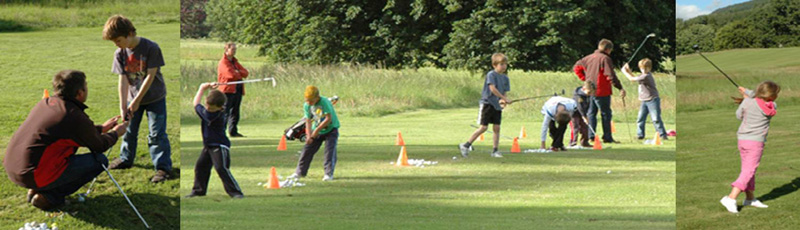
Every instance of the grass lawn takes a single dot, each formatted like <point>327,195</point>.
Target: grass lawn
<point>708,158</point>
<point>629,186</point>
<point>27,64</point>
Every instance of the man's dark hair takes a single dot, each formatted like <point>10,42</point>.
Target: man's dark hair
<point>67,83</point>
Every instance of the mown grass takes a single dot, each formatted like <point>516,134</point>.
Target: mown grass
<point>373,92</point>
<point>37,15</point>
<point>708,158</point>
<point>27,64</point>
<point>629,186</point>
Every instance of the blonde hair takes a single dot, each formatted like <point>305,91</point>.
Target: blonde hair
<point>118,26</point>
<point>605,44</point>
<point>645,65</point>
<point>766,90</point>
<point>498,58</point>
<point>311,92</point>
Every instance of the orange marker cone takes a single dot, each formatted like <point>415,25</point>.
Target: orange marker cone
<point>613,128</point>
<point>273,182</point>
<point>522,133</point>
<point>400,141</point>
<point>515,146</point>
<point>657,140</point>
<point>481,136</point>
<point>402,160</point>
<point>45,94</point>
<point>282,144</point>
<point>571,131</point>
<point>598,145</point>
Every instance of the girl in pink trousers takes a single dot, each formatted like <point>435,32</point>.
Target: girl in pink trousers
<point>755,110</point>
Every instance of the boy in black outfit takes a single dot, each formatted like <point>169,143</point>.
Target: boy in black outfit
<point>582,96</point>
<point>216,146</point>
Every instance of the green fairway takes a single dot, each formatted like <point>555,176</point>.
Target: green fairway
<point>27,65</point>
<point>708,158</point>
<point>563,190</point>
<point>433,109</point>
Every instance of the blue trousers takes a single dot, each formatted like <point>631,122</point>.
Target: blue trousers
<point>160,151</point>
<point>653,107</point>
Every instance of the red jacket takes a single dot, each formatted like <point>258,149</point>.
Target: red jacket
<point>227,72</point>
<point>598,68</point>
<point>37,153</point>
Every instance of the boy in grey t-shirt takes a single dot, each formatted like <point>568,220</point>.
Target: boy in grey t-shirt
<point>138,62</point>
<point>493,100</point>
<point>648,95</point>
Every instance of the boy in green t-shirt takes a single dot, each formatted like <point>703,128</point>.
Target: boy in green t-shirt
<point>322,125</point>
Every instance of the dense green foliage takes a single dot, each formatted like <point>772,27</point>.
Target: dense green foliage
<point>536,35</point>
<point>754,24</point>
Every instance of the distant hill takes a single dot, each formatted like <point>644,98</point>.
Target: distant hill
<point>722,16</point>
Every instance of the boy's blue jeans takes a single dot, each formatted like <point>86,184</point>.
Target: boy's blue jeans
<point>157,140</point>
<point>653,107</point>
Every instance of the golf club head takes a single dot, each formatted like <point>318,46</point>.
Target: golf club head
<point>696,47</point>
<point>651,35</point>
<point>273,82</point>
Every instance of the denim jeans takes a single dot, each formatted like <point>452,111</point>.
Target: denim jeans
<point>157,140</point>
<point>603,104</point>
<point>80,170</point>
<point>653,107</point>
<point>331,138</point>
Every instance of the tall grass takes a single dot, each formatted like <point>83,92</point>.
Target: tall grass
<point>369,91</point>
<point>35,15</point>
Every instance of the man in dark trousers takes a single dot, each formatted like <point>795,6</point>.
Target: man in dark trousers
<point>599,69</point>
<point>41,154</point>
<point>230,70</point>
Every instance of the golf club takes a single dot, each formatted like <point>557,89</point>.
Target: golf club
<point>126,196</point>
<point>251,81</point>
<point>697,49</point>
<point>640,46</point>
<point>549,95</point>
<point>490,132</point>
<point>628,124</point>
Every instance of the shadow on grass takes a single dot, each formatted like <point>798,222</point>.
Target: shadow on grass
<point>783,190</point>
<point>160,212</point>
<point>12,26</point>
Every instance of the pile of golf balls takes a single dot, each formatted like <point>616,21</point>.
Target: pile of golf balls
<point>421,162</point>
<point>291,182</point>
<point>538,151</point>
<point>37,226</point>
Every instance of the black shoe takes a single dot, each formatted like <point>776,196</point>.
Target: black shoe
<point>119,164</point>
<point>611,141</point>
<point>236,135</point>
<point>640,138</point>
<point>30,195</point>
<point>40,202</point>
<point>192,195</point>
<point>160,176</point>
<point>664,138</point>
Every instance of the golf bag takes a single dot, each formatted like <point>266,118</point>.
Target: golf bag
<point>298,129</point>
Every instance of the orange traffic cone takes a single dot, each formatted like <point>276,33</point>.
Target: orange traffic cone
<point>402,160</point>
<point>45,94</point>
<point>400,141</point>
<point>598,145</point>
<point>273,182</point>
<point>571,131</point>
<point>282,144</point>
<point>657,140</point>
<point>613,128</point>
<point>481,136</point>
<point>522,133</point>
<point>515,146</point>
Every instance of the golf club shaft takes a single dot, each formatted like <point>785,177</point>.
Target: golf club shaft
<point>126,196</point>
<point>624,107</point>
<point>637,49</point>
<point>586,120</point>
<point>490,132</point>
<point>549,95</point>
<point>247,81</point>
<point>720,70</point>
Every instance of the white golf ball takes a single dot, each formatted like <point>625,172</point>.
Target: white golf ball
<point>455,158</point>
<point>608,172</point>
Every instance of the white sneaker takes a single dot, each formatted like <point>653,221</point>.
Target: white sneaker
<point>327,178</point>
<point>729,204</point>
<point>294,176</point>
<point>464,149</point>
<point>497,154</point>
<point>754,203</point>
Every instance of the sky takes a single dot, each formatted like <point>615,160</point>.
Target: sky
<point>687,9</point>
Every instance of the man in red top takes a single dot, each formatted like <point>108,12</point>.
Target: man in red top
<point>41,154</point>
<point>229,70</point>
<point>599,68</point>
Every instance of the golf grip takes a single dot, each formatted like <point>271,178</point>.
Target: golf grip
<point>720,70</point>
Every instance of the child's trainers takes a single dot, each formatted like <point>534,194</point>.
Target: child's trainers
<point>464,149</point>
<point>754,203</point>
<point>729,204</point>
<point>497,154</point>
<point>294,176</point>
<point>327,178</point>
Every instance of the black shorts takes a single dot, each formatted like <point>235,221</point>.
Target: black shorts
<point>489,115</point>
